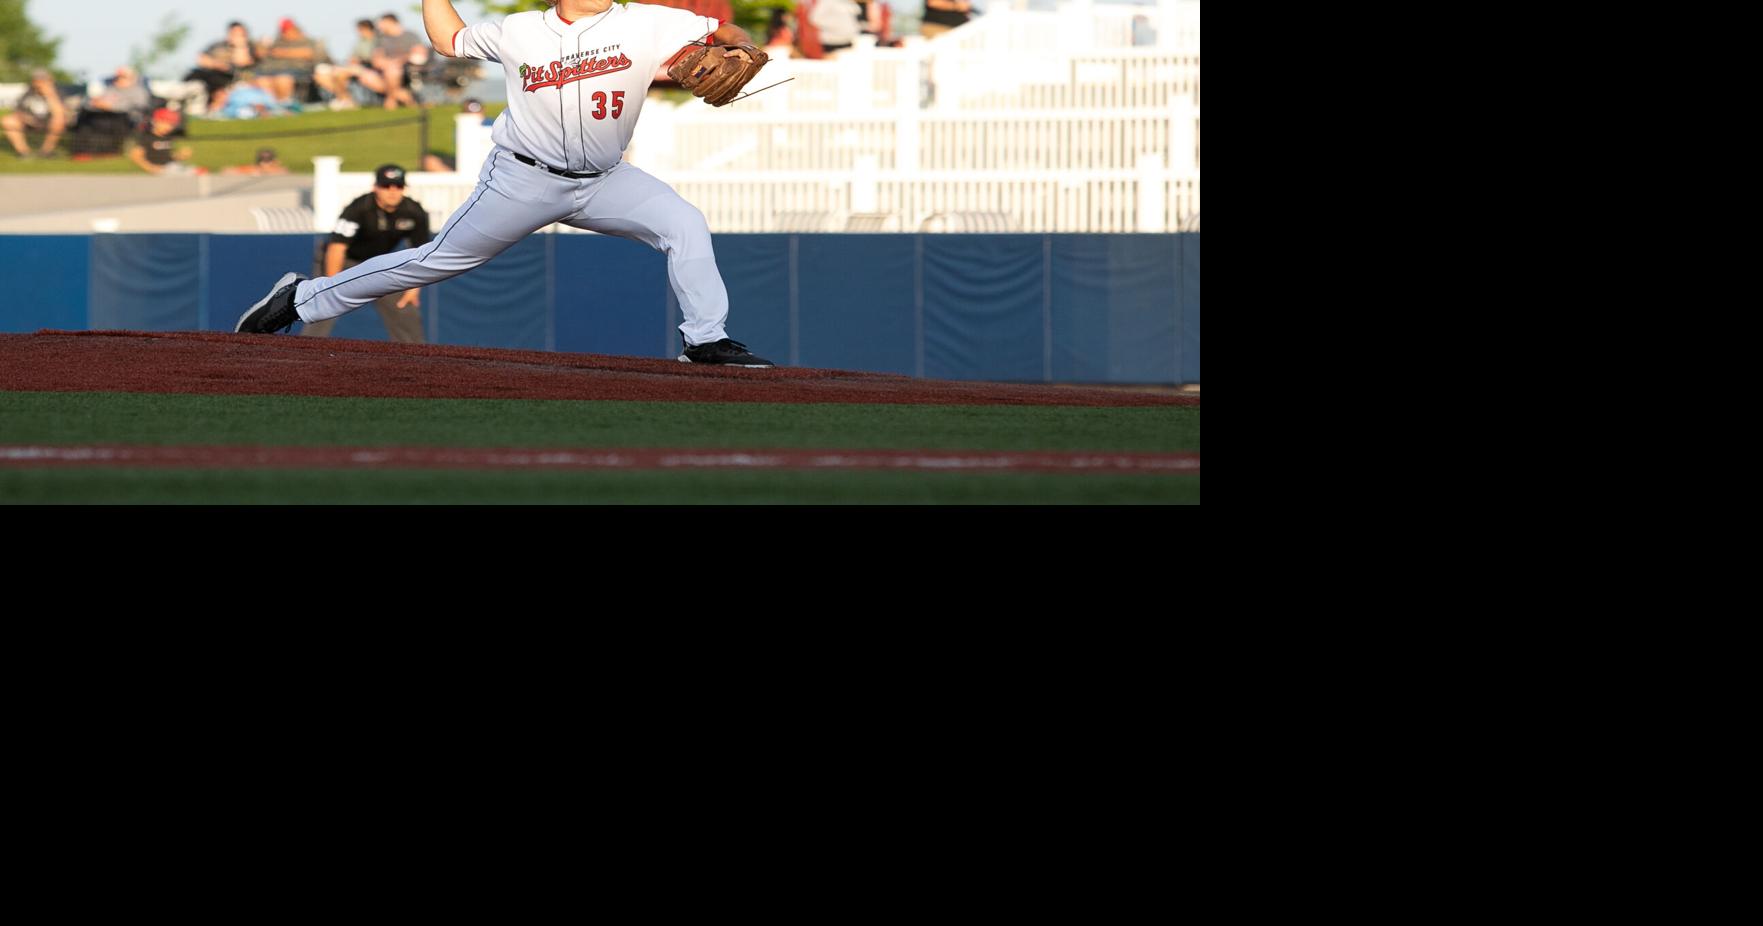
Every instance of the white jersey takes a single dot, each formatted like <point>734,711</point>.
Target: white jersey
<point>575,89</point>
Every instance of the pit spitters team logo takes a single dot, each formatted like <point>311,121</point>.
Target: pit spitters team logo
<point>556,74</point>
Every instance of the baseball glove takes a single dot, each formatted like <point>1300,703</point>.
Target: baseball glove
<point>718,72</point>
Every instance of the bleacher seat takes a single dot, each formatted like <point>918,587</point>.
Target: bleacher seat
<point>283,218</point>
<point>801,221</point>
<point>971,222</point>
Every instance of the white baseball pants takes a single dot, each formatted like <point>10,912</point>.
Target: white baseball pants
<point>514,199</point>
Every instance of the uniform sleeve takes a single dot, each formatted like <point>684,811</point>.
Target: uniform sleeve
<point>675,29</point>
<point>347,224</point>
<point>419,235</point>
<point>482,41</point>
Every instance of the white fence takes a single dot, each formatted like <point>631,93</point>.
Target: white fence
<point>1098,201</point>
<point>686,139</point>
<point>1100,81</point>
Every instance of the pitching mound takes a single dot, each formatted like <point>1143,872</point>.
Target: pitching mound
<point>238,364</point>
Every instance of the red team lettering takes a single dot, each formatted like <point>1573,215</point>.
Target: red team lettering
<point>556,74</point>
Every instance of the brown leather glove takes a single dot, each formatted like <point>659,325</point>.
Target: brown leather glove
<point>718,72</point>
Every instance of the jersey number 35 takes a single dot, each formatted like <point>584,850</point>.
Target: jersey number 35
<point>617,104</point>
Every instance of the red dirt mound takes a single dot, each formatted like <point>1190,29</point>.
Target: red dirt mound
<point>244,364</point>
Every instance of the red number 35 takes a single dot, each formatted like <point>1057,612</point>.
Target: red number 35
<point>617,104</point>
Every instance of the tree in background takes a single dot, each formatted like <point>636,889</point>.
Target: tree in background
<point>23,47</point>
<point>170,36</point>
<point>755,15</point>
<point>751,15</point>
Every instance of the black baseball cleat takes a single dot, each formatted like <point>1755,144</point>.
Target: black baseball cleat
<point>726,352</point>
<point>274,312</point>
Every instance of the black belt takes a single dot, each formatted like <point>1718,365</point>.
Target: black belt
<point>572,174</point>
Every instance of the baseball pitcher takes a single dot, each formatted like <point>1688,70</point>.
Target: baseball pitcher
<point>577,74</point>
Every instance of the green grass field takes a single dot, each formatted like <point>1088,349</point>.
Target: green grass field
<point>364,138</point>
<point>45,418</point>
<point>400,487</point>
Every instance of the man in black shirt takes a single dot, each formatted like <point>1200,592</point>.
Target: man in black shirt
<point>370,226</point>
<point>156,150</point>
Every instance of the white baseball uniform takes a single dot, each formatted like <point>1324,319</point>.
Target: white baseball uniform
<point>574,93</point>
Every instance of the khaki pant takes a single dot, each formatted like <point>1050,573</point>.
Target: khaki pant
<point>932,30</point>
<point>401,324</point>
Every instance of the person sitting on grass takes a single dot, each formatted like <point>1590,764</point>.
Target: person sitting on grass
<point>287,63</point>
<point>249,101</point>
<point>39,110</point>
<point>218,65</point>
<point>106,121</point>
<point>126,95</point>
<point>157,152</point>
<point>336,78</point>
<point>390,58</point>
<point>266,163</point>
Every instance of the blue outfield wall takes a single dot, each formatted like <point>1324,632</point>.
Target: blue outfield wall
<point>1026,308</point>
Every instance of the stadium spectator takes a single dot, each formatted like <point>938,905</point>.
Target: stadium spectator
<point>434,78</point>
<point>157,152</point>
<point>337,78</point>
<point>416,71</point>
<point>391,56</point>
<point>942,15</point>
<point>39,110</point>
<point>266,163</point>
<point>107,120</point>
<point>807,37</point>
<point>878,20</point>
<point>249,101</point>
<point>126,95</point>
<point>287,64</point>
<point>780,38</point>
<point>838,22</point>
<point>218,65</point>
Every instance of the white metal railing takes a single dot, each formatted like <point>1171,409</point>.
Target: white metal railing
<point>1100,81</point>
<point>688,138</point>
<point>1092,201</point>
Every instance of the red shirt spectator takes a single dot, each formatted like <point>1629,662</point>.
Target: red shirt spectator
<point>807,37</point>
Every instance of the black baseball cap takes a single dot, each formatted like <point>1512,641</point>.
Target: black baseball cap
<point>388,175</point>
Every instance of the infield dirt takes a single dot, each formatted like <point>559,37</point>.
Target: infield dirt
<point>235,364</point>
